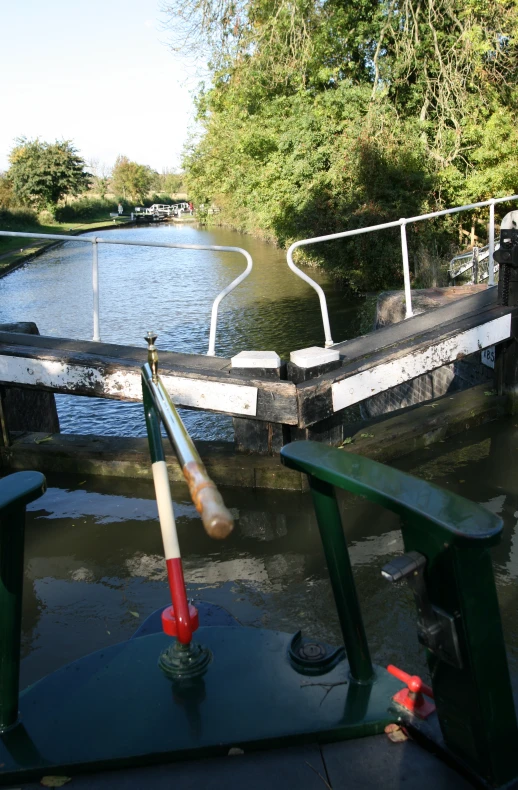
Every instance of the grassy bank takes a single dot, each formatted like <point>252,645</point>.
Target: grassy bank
<point>15,251</point>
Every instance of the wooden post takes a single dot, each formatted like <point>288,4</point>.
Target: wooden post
<point>25,409</point>
<point>475,265</point>
<point>472,238</point>
<point>506,363</point>
<point>257,436</point>
<point>307,364</point>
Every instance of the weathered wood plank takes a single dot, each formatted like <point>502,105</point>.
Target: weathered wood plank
<point>398,333</point>
<point>115,351</point>
<point>69,371</point>
<point>378,372</point>
<point>22,409</point>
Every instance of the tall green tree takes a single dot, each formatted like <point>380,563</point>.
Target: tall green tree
<point>43,173</point>
<point>132,180</point>
<point>323,115</point>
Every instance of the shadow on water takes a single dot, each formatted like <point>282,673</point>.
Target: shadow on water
<point>95,567</point>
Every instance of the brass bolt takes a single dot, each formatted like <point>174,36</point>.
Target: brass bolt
<point>152,354</point>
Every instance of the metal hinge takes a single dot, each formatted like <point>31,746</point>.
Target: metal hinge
<point>436,629</point>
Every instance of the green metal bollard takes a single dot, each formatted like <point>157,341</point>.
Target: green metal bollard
<point>16,491</point>
<point>465,649</point>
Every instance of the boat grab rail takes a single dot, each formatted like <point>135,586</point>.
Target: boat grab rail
<point>448,566</point>
<point>402,223</point>
<point>16,492</point>
<point>95,240</point>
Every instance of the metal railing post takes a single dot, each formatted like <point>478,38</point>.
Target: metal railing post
<point>406,270</point>
<point>318,289</point>
<point>491,272</point>
<point>95,286</point>
<point>342,581</point>
<point>215,306</point>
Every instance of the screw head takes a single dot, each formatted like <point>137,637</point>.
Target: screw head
<point>312,651</point>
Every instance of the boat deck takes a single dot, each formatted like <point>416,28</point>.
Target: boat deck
<point>371,762</point>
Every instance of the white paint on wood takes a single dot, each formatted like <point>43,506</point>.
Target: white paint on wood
<point>389,374</point>
<point>126,385</point>
<point>256,359</point>
<point>312,356</point>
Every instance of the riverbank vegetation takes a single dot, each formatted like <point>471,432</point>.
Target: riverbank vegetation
<point>50,188</point>
<point>322,116</point>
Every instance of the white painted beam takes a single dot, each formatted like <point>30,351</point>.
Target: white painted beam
<point>126,384</point>
<point>389,374</point>
<point>256,359</point>
<point>313,356</point>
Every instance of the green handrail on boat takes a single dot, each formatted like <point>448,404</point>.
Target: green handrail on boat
<point>453,536</point>
<point>16,492</point>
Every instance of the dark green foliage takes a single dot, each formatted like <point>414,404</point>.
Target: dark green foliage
<point>17,218</point>
<point>327,116</point>
<point>84,209</point>
<point>43,173</point>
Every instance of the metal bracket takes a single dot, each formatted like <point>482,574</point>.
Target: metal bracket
<point>436,629</point>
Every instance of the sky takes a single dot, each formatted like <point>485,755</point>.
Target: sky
<point>97,73</point>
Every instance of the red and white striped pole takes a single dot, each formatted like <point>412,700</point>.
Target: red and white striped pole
<point>180,619</point>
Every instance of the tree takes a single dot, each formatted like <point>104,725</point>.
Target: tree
<point>324,115</point>
<point>132,180</point>
<point>43,173</point>
<point>6,192</point>
<point>101,176</point>
<point>171,183</point>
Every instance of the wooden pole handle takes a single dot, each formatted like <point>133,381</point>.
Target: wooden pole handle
<point>216,517</point>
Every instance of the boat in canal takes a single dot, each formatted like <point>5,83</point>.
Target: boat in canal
<point>194,699</point>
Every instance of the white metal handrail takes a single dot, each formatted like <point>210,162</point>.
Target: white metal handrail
<point>94,241</point>
<point>403,222</point>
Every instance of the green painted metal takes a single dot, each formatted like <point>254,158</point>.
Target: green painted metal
<point>116,707</point>
<point>16,491</point>
<point>342,581</point>
<point>156,449</point>
<point>474,703</point>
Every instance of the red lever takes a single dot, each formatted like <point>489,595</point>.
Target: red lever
<point>412,698</point>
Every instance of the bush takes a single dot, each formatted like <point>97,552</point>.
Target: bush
<point>17,218</point>
<point>86,208</point>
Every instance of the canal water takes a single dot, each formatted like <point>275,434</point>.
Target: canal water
<point>171,292</point>
<point>94,563</point>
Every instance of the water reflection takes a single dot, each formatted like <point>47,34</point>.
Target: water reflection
<point>172,291</point>
<point>95,568</point>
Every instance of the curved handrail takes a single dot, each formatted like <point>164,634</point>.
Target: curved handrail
<point>217,248</point>
<point>95,240</point>
<point>401,223</point>
<point>460,519</point>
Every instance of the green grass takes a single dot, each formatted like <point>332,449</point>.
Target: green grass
<point>15,250</point>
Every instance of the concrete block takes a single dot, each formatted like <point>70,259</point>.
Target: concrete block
<point>256,359</point>
<point>310,357</point>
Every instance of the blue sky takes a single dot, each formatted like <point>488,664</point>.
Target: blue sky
<point>98,73</point>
